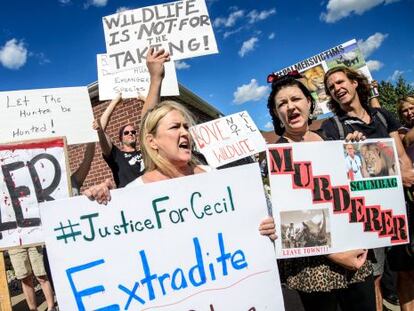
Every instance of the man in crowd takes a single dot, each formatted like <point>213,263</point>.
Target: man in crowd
<point>350,95</point>
<point>27,262</point>
<point>125,162</point>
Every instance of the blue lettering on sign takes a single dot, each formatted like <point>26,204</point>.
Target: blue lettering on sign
<point>87,291</point>
<point>153,284</point>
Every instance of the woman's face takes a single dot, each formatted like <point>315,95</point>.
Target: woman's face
<point>292,107</point>
<point>407,111</point>
<point>172,139</point>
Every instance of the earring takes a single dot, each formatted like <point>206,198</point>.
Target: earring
<point>281,124</point>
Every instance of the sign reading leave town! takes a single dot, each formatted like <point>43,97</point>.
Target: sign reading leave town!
<point>228,139</point>
<point>154,247</point>
<point>31,172</point>
<point>183,28</point>
<point>325,206</point>
<point>43,113</point>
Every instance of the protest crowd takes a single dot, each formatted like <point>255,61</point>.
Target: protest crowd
<point>158,147</point>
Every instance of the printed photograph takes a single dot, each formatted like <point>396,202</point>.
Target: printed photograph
<point>313,79</point>
<point>305,228</point>
<point>352,58</point>
<point>367,160</point>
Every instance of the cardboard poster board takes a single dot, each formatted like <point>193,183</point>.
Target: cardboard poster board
<point>153,247</point>
<point>31,172</point>
<point>131,82</point>
<point>182,28</point>
<point>331,197</point>
<point>313,69</point>
<point>43,113</point>
<point>228,139</point>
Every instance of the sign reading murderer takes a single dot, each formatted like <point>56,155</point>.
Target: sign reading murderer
<point>34,114</point>
<point>154,247</point>
<point>131,82</point>
<point>31,172</point>
<point>228,139</point>
<point>313,71</point>
<point>331,197</point>
<point>183,28</point>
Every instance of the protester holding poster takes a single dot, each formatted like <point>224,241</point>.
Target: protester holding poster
<point>165,141</point>
<point>125,162</point>
<point>323,282</point>
<point>350,93</point>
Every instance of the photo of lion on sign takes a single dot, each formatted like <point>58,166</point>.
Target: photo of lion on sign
<point>369,159</point>
<point>377,160</point>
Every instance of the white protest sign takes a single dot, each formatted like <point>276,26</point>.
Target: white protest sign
<point>331,197</point>
<point>228,139</point>
<point>183,28</point>
<point>153,247</point>
<point>31,172</point>
<point>131,82</point>
<point>34,114</point>
<point>313,70</point>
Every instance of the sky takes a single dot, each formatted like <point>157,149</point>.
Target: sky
<point>55,44</point>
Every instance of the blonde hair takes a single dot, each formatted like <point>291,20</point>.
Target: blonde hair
<point>149,125</point>
<point>406,99</point>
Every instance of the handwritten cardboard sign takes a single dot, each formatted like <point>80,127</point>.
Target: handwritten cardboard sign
<point>31,172</point>
<point>34,114</point>
<point>153,247</point>
<point>313,70</point>
<point>228,139</point>
<point>330,197</point>
<point>182,28</point>
<point>131,82</point>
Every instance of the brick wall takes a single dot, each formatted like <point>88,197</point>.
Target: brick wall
<point>126,112</point>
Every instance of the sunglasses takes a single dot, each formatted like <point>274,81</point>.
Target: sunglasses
<point>133,132</point>
<point>293,74</point>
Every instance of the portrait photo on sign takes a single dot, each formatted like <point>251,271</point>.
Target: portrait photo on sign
<point>368,160</point>
<point>305,228</point>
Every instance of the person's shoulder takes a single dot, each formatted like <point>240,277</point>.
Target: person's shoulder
<point>329,129</point>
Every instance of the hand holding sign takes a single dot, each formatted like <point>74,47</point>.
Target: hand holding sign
<point>155,63</point>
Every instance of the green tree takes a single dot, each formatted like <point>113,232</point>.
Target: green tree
<point>390,93</point>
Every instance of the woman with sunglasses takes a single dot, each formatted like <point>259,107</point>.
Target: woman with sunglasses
<point>323,282</point>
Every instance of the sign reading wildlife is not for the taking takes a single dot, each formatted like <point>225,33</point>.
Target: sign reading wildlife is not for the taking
<point>132,82</point>
<point>43,113</point>
<point>31,172</point>
<point>183,28</point>
<point>155,248</point>
<point>330,197</point>
<point>228,139</point>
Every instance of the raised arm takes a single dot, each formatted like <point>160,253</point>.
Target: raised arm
<point>84,167</point>
<point>374,101</point>
<point>106,116</point>
<point>155,64</point>
<point>101,124</point>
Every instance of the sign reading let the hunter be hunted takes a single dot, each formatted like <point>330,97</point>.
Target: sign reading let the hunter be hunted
<point>330,196</point>
<point>156,248</point>
<point>182,28</point>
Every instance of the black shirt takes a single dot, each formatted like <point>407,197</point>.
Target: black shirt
<point>125,166</point>
<point>375,129</point>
